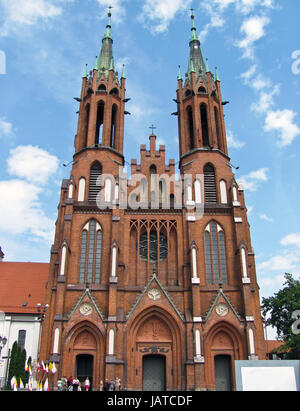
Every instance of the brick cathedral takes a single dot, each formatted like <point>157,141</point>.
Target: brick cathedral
<point>152,278</point>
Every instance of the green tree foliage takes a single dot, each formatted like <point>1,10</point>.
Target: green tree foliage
<point>278,310</point>
<point>16,365</point>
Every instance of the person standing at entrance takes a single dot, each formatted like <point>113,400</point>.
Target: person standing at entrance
<point>118,384</point>
<point>87,384</point>
<point>75,384</point>
<point>106,385</point>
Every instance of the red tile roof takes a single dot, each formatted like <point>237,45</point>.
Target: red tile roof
<point>273,345</point>
<point>22,283</point>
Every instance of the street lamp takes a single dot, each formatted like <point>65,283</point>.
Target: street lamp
<point>42,311</point>
<point>3,341</point>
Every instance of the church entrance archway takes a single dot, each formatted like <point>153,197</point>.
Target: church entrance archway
<point>154,373</point>
<point>154,352</point>
<point>85,367</point>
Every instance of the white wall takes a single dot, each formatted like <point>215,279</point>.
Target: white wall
<point>10,329</point>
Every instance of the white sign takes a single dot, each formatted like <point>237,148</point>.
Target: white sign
<point>268,379</point>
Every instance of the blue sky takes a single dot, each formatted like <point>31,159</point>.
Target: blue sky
<point>44,46</point>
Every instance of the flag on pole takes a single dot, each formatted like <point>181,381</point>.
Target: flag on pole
<point>53,370</point>
<point>44,367</point>
<point>21,385</point>
<point>14,384</point>
<point>38,367</point>
<point>50,366</point>
<point>46,385</point>
<point>30,383</point>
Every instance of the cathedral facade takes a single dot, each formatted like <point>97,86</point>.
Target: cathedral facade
<point>152,278</point>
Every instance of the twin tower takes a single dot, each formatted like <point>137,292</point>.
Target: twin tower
<point>162,297</point>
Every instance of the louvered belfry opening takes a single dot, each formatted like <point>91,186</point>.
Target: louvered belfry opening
<point>94,188</point>
<point>210,187</point>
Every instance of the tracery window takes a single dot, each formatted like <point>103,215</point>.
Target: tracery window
<point>215,254</point>
<point>151,243</point>
<point>91,253</point>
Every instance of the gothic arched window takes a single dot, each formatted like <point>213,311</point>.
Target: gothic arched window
<point>210,187</point>
<point>191,127</point>
<point>204,125</point>
<point>91,253</point>
<point>113,126</point>
<point>87,122</point>
<point>215,254</point>
<point>99,124</point>
<point>94,186</point>
<point>218,127</point>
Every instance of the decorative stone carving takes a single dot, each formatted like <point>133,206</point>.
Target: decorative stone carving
<point>222,310</point>
<point>86,309</point>
<point>154,294</point>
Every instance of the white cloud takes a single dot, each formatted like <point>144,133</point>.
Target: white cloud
<point>266,100</point>
<point>283,122</point>
<point>27,12</point>
<point>6,129</point>
<point>291,240</point>
<point>32,163</point>
<point>157,14</point>
<point>284,263</point>
<point>252,180</point>
<point>254,29</point>
<point>266,218</point>
<point>233,142</point>
<point>21,211</point>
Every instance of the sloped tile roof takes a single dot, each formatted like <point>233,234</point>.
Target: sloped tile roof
<point>22,283</point>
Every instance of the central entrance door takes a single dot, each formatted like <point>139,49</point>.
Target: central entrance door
<point>154,373</point>
<point>223,372</point>
<point>85,367</point>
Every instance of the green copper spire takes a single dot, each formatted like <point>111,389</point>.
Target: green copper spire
<point>106,62</point>
<point>179,77</point>
<point>108,27</point>
<point>123,72</point>
<point>196,62</point>
<point>217,75</point>
<point>207,66</point>
<point>194,30</point>
<point>85,75</point>
<point>96,64</point>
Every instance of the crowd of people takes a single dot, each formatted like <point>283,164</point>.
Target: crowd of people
<point>73,384</point>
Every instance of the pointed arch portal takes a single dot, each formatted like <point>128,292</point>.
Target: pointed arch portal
<point>155,340</point>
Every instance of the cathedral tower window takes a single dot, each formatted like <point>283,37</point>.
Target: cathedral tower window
<point>215,254</point>
<point>218,127</point>
<point>87,122</point>
<point>191,127</point>
<point>210,188</point>
<point>113,126</point>
<point>99,124</point>
<point>204,125</point>
<point>91,253</point>
<point>102,88</point>
<point>94,184</point>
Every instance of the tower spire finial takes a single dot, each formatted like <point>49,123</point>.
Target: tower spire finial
<point>193,29</point>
